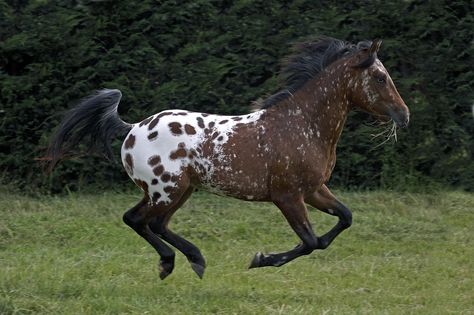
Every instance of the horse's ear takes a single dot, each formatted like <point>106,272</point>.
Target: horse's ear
<point>368,54</point>
<point>374,48</point>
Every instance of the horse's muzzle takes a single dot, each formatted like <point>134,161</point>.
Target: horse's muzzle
<point>400,117</point>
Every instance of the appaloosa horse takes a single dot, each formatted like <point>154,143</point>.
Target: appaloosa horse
<point>283,153</point>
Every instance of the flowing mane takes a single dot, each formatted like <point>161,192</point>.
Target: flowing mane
<point>308,59</point>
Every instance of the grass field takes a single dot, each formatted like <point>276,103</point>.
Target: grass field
<point>405,254</point>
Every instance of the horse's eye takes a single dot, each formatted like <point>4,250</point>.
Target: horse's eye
<point>381,80</point>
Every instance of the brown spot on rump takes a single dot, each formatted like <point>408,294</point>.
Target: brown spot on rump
<point>168,189</point>
<point>200,122</point>
<point>220,138</point>
<point>236,118</point>
<point>211,124</point>
<point>153,123</point>
<point>224,121</point>
<point>153,160</point>
<point>173,155</point>
<point>153,135</point>
<point>181,114</point>
<point>145,121</point>
<point>158,170</point>
<point>154,181</point>
<point>130,142</point>
<point>175,128</point>
<point>142,184</point>
<point>174,178</point>
<point>204,114</point>
<point>129,163</point>
<point>180,153</point>
<point>155,197</point>
<point>164,114</point>
<point>166,177</point>
<point>189,129</point>
<point>215,135</point>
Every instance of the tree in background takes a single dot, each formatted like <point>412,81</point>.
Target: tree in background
<point>219,56</point>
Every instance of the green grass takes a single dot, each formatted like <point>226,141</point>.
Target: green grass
<point>405,254</point>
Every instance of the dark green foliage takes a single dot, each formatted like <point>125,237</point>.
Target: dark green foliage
<point>218,56</point>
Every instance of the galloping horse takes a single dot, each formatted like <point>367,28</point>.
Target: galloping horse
<point>283,153</point>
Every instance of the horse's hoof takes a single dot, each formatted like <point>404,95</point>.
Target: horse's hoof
<point>256,261</point>
<point>165,269</point>
<point>198,269</point>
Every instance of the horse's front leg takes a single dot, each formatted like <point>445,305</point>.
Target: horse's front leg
<point>293,208</point>
<point>325,201</point>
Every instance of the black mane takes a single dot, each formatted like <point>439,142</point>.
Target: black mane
<point>308,60</point>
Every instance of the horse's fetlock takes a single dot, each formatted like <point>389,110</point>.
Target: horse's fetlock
<point>345,217</point>
<point>167,259</point>
<point>346,220</point>
<point>323,243</point>
<point>311,245</point>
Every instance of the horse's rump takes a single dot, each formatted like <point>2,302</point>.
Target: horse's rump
<point>224,154</point>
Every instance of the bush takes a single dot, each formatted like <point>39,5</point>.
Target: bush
<point>218,56</point>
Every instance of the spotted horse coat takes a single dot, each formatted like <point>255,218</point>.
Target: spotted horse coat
<point>178,145</point>
<point>283,153</point>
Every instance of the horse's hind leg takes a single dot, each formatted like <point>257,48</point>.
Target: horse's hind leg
<point>325,201</point>
<point>294,210</point>
<point>159,225</point>
<point>138,218</point>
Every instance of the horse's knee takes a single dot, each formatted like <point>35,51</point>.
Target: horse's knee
<point>346,218</point>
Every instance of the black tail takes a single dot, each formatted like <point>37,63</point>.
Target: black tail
<point>96,119</point>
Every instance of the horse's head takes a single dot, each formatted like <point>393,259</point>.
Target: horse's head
<point>372,89</point>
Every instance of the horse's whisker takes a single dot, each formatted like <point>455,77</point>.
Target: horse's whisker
<point>390,132</point>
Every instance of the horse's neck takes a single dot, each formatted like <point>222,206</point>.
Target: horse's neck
<point>322,106</point>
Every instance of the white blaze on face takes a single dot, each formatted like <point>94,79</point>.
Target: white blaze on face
<point>372,96</point>
<point>178,129</point>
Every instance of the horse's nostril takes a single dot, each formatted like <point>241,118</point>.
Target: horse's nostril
<point>407,120</point>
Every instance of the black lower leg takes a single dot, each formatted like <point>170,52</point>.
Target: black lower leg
<point>325,201</point>
<point>192,253</point>
<point>345,221</point>
<point>136,219</point>
<point>279,259</point>
<point>295,212</point>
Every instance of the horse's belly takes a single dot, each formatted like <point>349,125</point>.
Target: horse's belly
<point>237,183</point>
